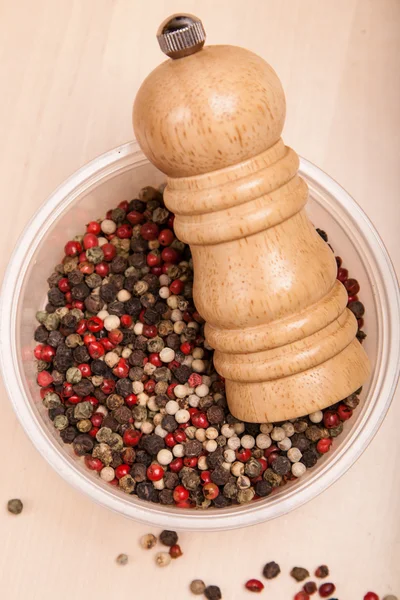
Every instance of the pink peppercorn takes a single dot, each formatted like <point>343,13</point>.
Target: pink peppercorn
<point>254,585</point>
<point>371,596</point>
<point>326,590</point>
<point>44,379</point>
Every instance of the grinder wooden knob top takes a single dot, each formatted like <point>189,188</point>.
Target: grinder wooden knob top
<point>211,119</point>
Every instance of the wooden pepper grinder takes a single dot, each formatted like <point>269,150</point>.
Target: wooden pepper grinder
<point>211,119</point>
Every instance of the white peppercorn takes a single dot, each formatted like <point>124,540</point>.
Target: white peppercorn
<point>171,407</point>
<point>210,445</point>
<point>198,352</point>
<point>263,441</point>
<point>288,428</point>
<point>238,428</point>
<point>111,322</point>
<point>137,387</point>
<point>160,432</point>
<point>152,405</point>
<point>198,365</point>
<point>111,359</point>
<point>146,427</point>
<point>179,327</point>
<point>229,455</point>
<point>243,482</point>
<point>182,416</point>
<point>285,444</point>
<point>108,226</point>
<point>266,427</point>
<point>138,328</point>
<point>193,400</point>
<point>248,442</point>
<point>212,433</point>
<point>167,355</point>
<point>190,432</point>
<point>164,292</point>
<point>159,485</point>
<point>157,419</point>
<point>124,295</point>
<point>316,417</point>
<point>176,315</point>
<point>178,451</point>
<point>294,455</point>
<point>107,474</point>
<point>142,399</point>
<point>148,541</point>
<point>181,391</point>
<point>126,352</point>
<point>233,443</point>
<point>298,469</point>
<point>278,434</point>
<point>237,468</point>
<point>202,390</point>
<point>165,456</point>
<point>202,463</point>
<point>163,559</point>
<point>200,435</point>
<point>227,430</point>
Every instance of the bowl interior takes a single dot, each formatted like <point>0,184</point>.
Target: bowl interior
<point>87,195</point>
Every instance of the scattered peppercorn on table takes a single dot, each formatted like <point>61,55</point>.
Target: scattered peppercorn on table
<point>77,64</point>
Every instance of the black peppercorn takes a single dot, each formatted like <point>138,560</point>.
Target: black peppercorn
<point>138,472</point>
<point>55,338</point>
<point>212,592</point>
<point>263,488</point>
<point>168,538</point>
<point>152,444</point>
<point>68,434</point>
<point>118,264</point>
<point>193,448</point>
<point>169,423</point>
<point>300,441</point>
<point>299,574</point>
<point>41,334</point>
<point>271,570</point>
<point>75,277</point>
<point>136,358</point>
<point>171,480</point>
<point>80,291</point>
<point>116,308</point>
<point>309,458</point>
<point>357,308</point>
<point>81,355</point>
<point>166,497</point>
<point>215,415</point>
<point>281,465</point>
<point>108,292</point>
<point>56,297</point>
<point>220,475</point>
<point>124,387</point>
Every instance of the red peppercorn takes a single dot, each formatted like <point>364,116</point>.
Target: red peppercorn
<point>344,412</point>
<point>93,431</point>
<point>243,454</point>
<point>115,336</point>
<point>180,436</point>
<point>48,352</point>
<point>122,470</point>
<point>108,386</point>
<point>95,324</point>
<point>96,350</point>
<point>342,274</point>
<point>88,339</point>
<point>190,461</point>
<point>149,331</point>
<point>149,231</point>
<point>273,456</point>
<point>81,327</point>
<point>302,596</point>
<point>83,257</point>
<point>107,344</point>
<point>63,285</point>
<point>72,248</point>
<point>67,390</point>
<point>175,551</point>
<point>97,419</point>
<point>85,370</point>
<point>94,464</point>
<point>180,493</point>
<point>156,271</point>
<point>170,255</point>
<point>371,596</point>
<point>86,268</point>
<point>171,220</point>
<point>131,400</point>
<point>155,472</point>
<point>194,380</point>
<point>44,379</point>
<point>93,227</point>
<point>90,241</point>
<point>176,465</point>
<point>186,348</point>
<point>173,365</point>
<point>263,463</point>
<point>124,205</point>
<point>92,399</point>
<point>74,399</point>
<point>135,217</point>
<point>153,259</point>
<point>360,323</point>
<point>200,420</point>
<point>351,299</point>
<point>205,476</point>
<point>38,351</point>
<point>124,232</point>
<point>149,386</point>
<point>126,321</point>
<point>131,437</point>
<point>324,445</point>
<point>210,491</point>
<point>310,587</point>
<point>170,440</point>
<point>331,419</point>
<point>170,390</point>
<point>166,237</point>
<point>109,251</point>
<point>176,286</point>
<point>155,359</point>
<point>78,304</point>
<point>165,267</point>
<point>102,268</point>
<point>254,585</point>
<point>352,286</point>
<point>272,449</point>
<point>121,369</point>
<point>326,590</point>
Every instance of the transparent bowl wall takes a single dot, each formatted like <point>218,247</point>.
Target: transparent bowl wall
<point>118,175</point>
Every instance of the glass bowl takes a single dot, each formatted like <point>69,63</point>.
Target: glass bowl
<point>118,175</point>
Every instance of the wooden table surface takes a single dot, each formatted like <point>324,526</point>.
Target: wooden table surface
<point>69,72</point>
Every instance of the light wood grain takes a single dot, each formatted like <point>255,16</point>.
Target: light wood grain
<point>69,72</point>
<point>212,122</point>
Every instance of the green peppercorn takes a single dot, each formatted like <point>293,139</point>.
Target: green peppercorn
<point>61,422</point>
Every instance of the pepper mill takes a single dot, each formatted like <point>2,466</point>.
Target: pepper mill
<point>211,119</point>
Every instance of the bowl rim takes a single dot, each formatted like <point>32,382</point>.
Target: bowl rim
<point>152,514</point>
